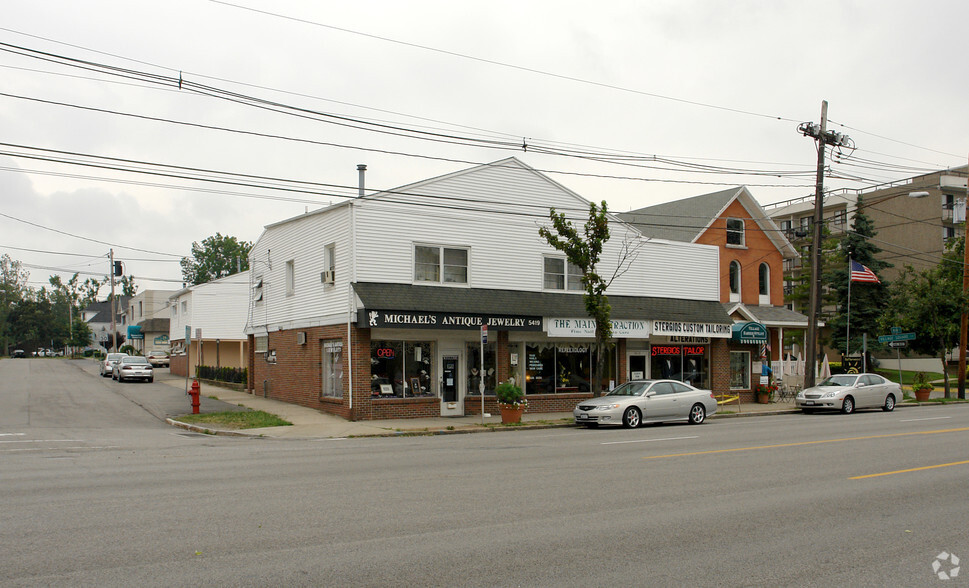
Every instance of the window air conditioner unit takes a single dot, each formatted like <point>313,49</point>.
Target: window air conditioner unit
<point>328,277</point>
<point>301,337</point>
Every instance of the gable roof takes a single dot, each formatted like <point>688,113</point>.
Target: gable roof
<point>103,309</point>
<point>687,219</point>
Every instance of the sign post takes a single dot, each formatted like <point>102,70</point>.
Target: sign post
<point>481,370</point>
<point>897,341</point>
<point>188,354</point>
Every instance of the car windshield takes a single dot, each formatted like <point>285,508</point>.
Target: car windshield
<point>114,356</point>
<point>839,380</point>
<point>631,388</point>
<point>134,360</point>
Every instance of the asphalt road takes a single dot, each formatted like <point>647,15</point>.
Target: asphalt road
<point>97,492</point>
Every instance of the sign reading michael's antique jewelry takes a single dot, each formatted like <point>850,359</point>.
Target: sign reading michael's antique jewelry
<point>396,319</point>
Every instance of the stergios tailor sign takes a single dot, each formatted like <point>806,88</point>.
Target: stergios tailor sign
<point>396,319</point>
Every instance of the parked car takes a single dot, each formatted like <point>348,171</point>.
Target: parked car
<point>133,367</point>
<point>158,358</point>
<point>647,401</point>
<point>18,353</point>
<point>848,392</point>
<point>107,364</point>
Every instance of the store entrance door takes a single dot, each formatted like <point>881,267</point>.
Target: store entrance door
<point>638,363</point>
<point>452,397</point>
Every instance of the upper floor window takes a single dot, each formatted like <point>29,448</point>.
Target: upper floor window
<point>735,231</point>
<point>764,277</point>
<point>329,264</point>
<point>734,281</point>
<point>290,277</point>
<point>443,265</point>
<point>184,306</point>
<point>840,218</point>
<point>561,275</point>
<point>257,292</point>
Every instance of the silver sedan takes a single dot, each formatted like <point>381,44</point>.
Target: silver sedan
<point>647,401</point>
<point>847,392</point>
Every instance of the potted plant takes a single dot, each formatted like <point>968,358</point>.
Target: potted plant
<point>764,392</point>
<point>921,386</point>
<point>511,402</point>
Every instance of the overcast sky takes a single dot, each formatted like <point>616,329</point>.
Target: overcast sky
<point>695,83</point>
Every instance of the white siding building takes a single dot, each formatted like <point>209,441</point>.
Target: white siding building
<point>372,308</point>
<point>217,310</point>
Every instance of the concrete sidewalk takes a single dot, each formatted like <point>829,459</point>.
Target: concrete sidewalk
<point>169,402</point>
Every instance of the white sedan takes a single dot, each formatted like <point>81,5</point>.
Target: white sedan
<point>848,392</point>
<point>647,401</point>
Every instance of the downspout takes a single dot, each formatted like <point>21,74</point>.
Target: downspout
<point>351,304</point>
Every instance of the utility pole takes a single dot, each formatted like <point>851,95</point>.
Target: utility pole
<point>114,338</point>
<point>820,133</point>
<point>964,320</point>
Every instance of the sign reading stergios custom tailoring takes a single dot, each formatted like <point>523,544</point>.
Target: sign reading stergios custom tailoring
<point>380,319</point>
<point>672,328</point>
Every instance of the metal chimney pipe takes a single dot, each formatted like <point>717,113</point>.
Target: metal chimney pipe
<point>362,171</point>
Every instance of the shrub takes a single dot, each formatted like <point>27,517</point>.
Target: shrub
<point>223,374</point>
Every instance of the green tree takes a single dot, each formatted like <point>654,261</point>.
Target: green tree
<point>930,303</point>
<point>128,287</point>
<point>584,251</point>
<point>13,289</point>
<point>215,257</point>
<point>867,300</point>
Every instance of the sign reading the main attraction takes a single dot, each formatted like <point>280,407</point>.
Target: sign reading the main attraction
<point>586,327</point>
<point>690,329</point>
<point>400,319</point>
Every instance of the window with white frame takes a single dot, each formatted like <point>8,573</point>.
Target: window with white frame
<point>257,290</point>
<point>764,278</point>
<point>290,277</point>
<point>561,275</point>
<point>735,281</point>
<point>332,369</point>
<point>184,306</point>
<point>735,231</point>
<point>442,265</point>
<point>329,264</point>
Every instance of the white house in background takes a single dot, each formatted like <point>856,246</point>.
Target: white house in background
<point>144,320</point>
<point>373,308</point>
<point>216,310</point>
<point>97,315</point>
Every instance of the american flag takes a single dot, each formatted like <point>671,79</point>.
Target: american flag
<point>861,273</point>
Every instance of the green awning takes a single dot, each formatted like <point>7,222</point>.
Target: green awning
<point>749,333</point>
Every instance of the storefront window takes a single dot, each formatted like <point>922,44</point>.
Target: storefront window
<point>565,367</point>
<point>739,370</point>
<point>401,369</point>
<point>332,369</point>
<point>474,368</point>
<point>539,368</point>
<point>686,363</point>
<point>573,365</point>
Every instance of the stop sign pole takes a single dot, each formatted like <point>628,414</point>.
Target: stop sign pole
<point>481,370</point>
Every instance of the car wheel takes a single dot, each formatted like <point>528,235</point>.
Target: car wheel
<point>150,380</point>
<point>889,403</point>
<point>697,414</point>
<point>631,418</point>
<point>848,406</point>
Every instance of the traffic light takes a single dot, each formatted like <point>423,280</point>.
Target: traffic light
<point>118,269</point>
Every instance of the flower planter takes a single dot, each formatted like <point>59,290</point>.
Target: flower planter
<point>922,395</point>
<point>763,398</point>
<point>511,415</point>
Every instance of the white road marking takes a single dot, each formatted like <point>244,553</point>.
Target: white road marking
<point>925,419</point>
<point>46,441</point>
<point>649,440</point>
<point>57,448</point>
<point>12,434</point>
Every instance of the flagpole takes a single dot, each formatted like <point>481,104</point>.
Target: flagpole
<point>848,322</point>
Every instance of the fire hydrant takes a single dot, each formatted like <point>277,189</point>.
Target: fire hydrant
<point>195,393</point>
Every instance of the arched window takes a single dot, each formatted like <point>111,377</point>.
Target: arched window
<point>764,283</point>
<point>734,281</point>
